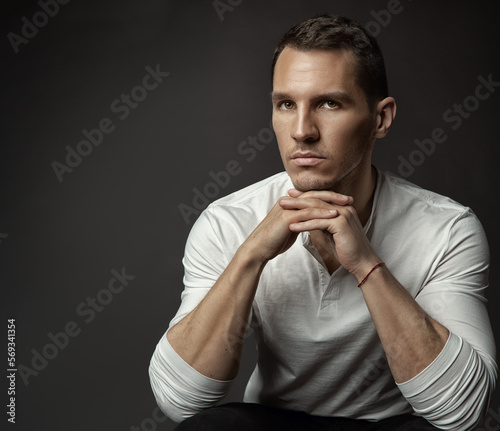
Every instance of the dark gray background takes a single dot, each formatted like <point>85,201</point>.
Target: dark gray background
<point>119,207</point>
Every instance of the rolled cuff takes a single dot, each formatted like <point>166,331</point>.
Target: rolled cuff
<point>453,392</point>
<point>179,389</point>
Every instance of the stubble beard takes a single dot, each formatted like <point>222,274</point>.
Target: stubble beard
<point>350,172</point>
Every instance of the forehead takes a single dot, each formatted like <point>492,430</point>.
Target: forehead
<point>315,70</point>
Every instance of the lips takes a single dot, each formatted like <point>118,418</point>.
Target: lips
<point>306,158</point>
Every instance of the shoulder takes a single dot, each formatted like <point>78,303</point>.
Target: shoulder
<point>422,212</point>
<point>426,236</point>
<point>230,219</point>
<point>255,199</point>
<point>410,197</point>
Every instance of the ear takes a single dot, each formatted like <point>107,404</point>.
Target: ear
<point>385,112</point>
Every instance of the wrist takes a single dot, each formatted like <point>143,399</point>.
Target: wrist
<point>378,265</point>
<point>362,270</point>
<point>250,257</point>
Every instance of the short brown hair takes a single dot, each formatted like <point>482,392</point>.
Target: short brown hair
<point>326,32</point>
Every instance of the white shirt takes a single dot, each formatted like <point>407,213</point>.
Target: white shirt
<point>318,350</point>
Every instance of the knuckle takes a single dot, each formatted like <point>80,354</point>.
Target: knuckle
<point>350,211</point>
<point>342,219</point>
<point>304,213</point>
<point>318,224</point>
<point>309,211</point>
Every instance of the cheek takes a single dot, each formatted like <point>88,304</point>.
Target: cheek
<point>363,132</point>
<point>278,125</point>
<point>280,131</point>
<point>282,150</point>
<point>353,132</point>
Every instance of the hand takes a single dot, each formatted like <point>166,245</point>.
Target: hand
<point>351,247</point>
<point>274,236</point>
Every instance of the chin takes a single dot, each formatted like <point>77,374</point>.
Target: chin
<point>306,183</point>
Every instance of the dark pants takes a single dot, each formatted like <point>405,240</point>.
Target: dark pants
<point>256,417</point>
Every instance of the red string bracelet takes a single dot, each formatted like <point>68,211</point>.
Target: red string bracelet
<point>371,270</point>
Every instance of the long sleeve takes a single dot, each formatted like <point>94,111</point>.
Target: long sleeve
<point>453,392</point>
<point>318,350</point>
<point>179,389</point>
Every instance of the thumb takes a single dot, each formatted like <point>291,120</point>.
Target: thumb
<point>294,193</point>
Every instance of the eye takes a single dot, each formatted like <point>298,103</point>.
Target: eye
<point>286,105</point>
<point>329,104</point>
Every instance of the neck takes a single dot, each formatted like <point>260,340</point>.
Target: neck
<point>362,191</point>
<point>360,184</point>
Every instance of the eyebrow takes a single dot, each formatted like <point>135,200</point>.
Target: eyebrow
<point>334,95</point>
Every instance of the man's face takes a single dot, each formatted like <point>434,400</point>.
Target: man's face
<point>322,121</point>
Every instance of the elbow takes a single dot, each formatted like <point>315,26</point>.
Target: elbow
<point>180,390</point>
<point>469,408</point>
<point>170,410</point>
<point>454,392</point>
<point>169,402</point>
<point>480,398</point>
<point>480,402</point>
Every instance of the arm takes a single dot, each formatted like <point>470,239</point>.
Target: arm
<point>425,354</point>
<point>454,391</point>
<point>202,350</point>
<point>207,338</point>
<point>411,339</point>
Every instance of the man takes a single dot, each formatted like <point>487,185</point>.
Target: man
<point>366,292</point>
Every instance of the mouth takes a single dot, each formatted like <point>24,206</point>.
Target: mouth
<point>306,159</point>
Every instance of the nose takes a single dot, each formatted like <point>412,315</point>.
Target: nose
<point>304,128</point>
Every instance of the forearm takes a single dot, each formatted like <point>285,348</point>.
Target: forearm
<point>210,338</point>
<point>453,393</point>
<point>411,338</point>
